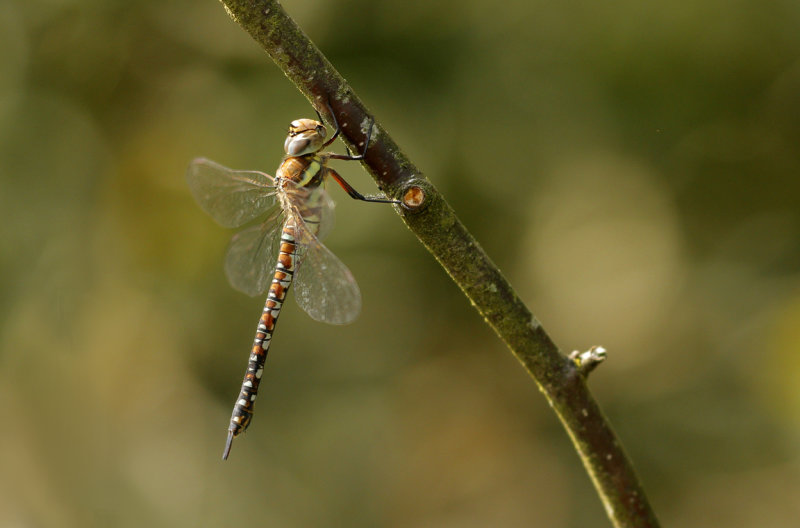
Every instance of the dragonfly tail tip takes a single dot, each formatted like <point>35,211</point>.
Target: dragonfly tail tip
<point>228,445</point>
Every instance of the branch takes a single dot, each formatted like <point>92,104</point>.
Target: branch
<point>427,214</point>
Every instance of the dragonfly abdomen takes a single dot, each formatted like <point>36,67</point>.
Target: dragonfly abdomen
<point>281,280</point>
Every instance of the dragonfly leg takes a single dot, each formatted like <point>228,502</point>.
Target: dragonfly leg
<point>350,157</point>
<point>354,193</point>
<point>338,130</point>
<point>335,123</point>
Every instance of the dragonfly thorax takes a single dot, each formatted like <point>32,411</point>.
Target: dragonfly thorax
<point>305,137</point>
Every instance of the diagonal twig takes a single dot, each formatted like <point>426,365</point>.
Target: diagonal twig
<point>430,218</point>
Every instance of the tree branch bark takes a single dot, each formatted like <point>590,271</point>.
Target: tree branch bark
<point>561,379</point>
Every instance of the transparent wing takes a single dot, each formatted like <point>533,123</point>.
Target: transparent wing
<point>252,255</point>
<point>324,287</point>
<point>231,197</point>
<point>313,206</point>
<point>326,215</point>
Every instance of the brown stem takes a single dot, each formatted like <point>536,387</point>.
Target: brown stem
<point>432,220</point>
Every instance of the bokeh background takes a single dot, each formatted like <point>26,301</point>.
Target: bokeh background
<point>632,167</point>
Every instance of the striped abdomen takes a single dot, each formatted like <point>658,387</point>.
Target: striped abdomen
<point>281,280</point>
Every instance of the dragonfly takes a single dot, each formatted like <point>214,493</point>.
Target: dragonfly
<point>286,247</point>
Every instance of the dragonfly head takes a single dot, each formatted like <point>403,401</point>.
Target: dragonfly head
<point>305,136</point>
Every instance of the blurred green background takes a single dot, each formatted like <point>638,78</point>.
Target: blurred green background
<point>632,167</point>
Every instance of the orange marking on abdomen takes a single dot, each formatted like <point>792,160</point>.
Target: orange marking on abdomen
<point>277,290</point>
<point>285,260</point>
<point>268,321</point>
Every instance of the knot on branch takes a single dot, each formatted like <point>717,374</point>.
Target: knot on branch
<point>587,361</point>
<point>413,197</point>
<point>416,194</point>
